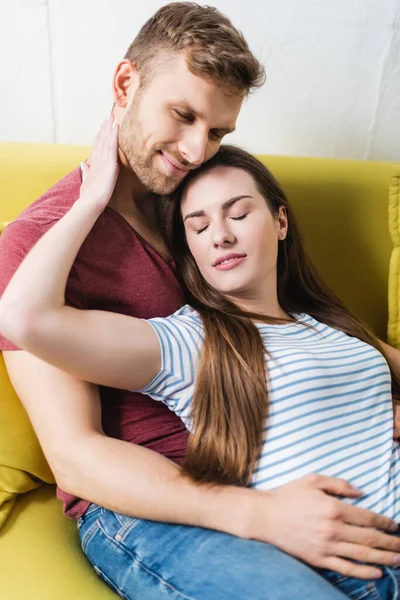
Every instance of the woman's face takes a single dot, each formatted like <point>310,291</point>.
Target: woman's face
<point>232,234</point>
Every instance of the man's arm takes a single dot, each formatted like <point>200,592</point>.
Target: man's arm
<point>124,477</point>
<point>393,356</point>
<point>303,518</point>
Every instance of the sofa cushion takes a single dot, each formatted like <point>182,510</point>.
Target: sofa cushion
<point>394,269</point>
<point>22,463</point>
<point>40,555</point>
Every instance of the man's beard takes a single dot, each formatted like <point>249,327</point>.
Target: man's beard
<point>144,167</point>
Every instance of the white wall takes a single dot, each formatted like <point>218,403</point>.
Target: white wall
<point>333,67</point>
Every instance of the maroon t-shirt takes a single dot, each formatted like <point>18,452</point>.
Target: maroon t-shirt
<point>116,270</point>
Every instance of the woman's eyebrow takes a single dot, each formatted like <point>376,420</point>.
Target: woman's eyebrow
<point>225,205</point>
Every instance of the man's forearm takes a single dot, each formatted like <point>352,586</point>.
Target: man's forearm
<point>66,415</point>
<point>138,482</point>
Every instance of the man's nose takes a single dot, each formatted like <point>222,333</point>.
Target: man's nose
<point>193,147</point>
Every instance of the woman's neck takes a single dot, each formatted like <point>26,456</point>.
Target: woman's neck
<point>270,307</point>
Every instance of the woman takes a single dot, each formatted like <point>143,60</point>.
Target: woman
<point>257,311</point>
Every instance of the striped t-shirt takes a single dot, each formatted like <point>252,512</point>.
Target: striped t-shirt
<point>330,404</point>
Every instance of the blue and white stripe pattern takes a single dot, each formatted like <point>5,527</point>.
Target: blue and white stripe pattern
<point>330,404</point>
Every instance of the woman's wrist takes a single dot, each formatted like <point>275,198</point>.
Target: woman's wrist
<point>87,206</point>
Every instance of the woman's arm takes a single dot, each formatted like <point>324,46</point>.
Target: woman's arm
<point>98,346</point>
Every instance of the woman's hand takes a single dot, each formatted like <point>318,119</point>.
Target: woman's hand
<point>31,314</point>
<point>99,176</point>
<point>306,520</point>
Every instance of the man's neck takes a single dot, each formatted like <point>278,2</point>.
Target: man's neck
<point>137,206</point>
<point>130,196</point>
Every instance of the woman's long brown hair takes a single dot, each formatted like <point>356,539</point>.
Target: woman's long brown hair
<point>230,402</point>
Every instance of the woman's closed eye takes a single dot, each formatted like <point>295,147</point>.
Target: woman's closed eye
<point>240,218</point>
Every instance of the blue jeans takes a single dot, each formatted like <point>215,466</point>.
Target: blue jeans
<point>146,560</point>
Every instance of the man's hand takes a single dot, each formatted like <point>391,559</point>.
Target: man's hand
<point>306,520</point>
<point>393,357</point>
<point>396,419</point>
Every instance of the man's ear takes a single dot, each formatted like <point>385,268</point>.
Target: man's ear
<point>125,83</point>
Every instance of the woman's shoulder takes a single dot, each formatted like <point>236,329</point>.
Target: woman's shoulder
<point>185,318</point>
<point>185,310</point>
<point>185,314</point>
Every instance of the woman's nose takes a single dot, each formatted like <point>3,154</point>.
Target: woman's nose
<point>223,236</point>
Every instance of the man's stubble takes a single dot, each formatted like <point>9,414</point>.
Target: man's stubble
<point>142,161</point>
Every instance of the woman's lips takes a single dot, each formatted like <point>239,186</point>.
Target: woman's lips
<point>230,263</point>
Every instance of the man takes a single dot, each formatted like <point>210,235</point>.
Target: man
<point>115,455</point>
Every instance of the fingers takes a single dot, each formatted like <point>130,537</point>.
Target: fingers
<point>369,537</point>
<point>365,554</point>
<point>336,486</point>
<point>106,140</point>
<point>84,170</point>
<point>349,569</point>
<point>366,518</point>
<point>104,149</point>
<point>114,136</point>
<point>396,415</point>
<point>108,125</point>
<point>101,174</point>
<point>347,512</point>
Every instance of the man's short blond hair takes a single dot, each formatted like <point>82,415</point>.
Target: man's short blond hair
<point>214,49</point>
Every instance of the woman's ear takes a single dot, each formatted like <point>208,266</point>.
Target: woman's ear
<point>282,223</point>
<point>125,82</point>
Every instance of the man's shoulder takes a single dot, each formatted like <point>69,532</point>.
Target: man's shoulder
<point>53,204</point>
<point>22,233</point>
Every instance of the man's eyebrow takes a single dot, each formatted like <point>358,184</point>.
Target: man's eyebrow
<point>225,205</point>
<point>224,130</point>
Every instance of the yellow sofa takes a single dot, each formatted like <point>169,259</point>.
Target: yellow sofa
<point>342,207</point>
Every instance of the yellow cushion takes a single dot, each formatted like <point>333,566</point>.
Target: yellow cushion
<point>28,170</point>
<point>22,463</point>
<point>40,555</point>
<point>394,269</point>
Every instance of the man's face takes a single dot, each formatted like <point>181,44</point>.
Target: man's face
<point>175,124</point>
